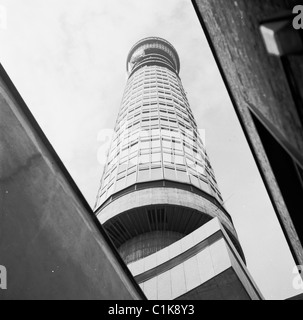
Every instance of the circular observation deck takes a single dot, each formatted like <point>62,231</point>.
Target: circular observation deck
<point>147,218</point>
<point>152,51</point>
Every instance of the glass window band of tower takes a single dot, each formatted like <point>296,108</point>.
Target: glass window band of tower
<point>156,136</point>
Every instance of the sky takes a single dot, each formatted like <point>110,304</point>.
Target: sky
<point>67,59</point>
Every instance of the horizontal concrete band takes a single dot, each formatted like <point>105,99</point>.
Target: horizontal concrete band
<point>162,192</point>
<point>149,274</point>
<point>167,196</point>
<point>166,184</point>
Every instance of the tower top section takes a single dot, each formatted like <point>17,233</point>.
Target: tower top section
<point>152,51</point>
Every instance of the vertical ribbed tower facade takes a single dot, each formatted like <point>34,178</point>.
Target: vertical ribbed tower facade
<point>158,188</point>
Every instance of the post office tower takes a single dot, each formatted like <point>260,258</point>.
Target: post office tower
<point>159,200</point>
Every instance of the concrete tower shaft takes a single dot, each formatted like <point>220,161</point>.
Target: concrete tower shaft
<point>158,184</point>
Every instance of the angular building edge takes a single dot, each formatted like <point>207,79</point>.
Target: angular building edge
<point>202,266</point>
<point>52,245</point>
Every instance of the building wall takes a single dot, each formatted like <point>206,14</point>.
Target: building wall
<point>50,242</point>
<point>267,95</point>
<point>256,79</point>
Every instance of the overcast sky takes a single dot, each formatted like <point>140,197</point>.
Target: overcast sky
<point>67,58</point>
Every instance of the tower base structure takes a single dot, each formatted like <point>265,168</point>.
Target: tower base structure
<point>201,266</point>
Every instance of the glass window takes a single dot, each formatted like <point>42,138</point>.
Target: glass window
<point>145,123</point>
<point>198,156</point>
<point>156,174</point>
<point>201,169</point>
<point>155,132</point>
<point>190,163</point>
<point>167,158</point>
<point>134,147</point>
<point>144,159</point>
<point>178,146</point>
<point>154,113</point>
<point>164,121</point>
<point>156,157</point>
<point>133,161</point>
<point>182,176</point>
<point>167,144</point>
<point>165,131</point>
<point>114,172</point>
<point>144,144</point>
<point>123,160</point>
<point>106,179</point>
<point>120,184</point>
<point>143,175</point>
<point>188,150</point>
<point>154,121</point>
<point>131,178</point>
<point>194,180</point>
<point>156,143</point>
<point>110,190</point>
<point>122,168</point>
<point>173,124</point>
<point>179,159</point>
<point>169,174</point>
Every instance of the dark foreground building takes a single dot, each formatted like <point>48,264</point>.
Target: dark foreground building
<point>51,244</point>
<point>159,200</point>
<point>259,51</point>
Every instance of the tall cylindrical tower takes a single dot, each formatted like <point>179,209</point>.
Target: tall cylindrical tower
<point>158,185</point>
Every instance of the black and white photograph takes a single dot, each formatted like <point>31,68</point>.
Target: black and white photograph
<point>151,150</point>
